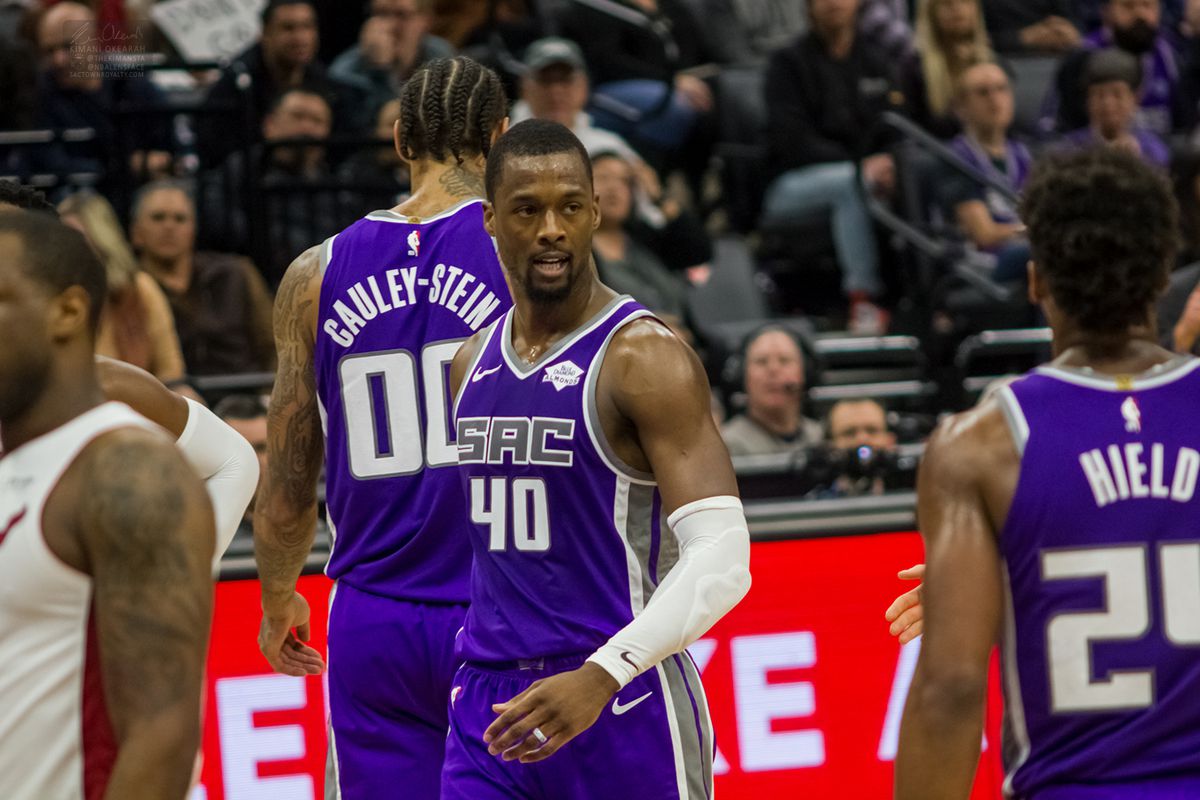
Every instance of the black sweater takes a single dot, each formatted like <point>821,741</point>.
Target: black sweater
<point>820,110</point>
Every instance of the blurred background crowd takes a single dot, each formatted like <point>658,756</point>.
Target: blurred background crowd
<point>821,195</point>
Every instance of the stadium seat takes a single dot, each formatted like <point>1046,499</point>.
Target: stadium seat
<point>995,355</point>
<point>1033,76</point>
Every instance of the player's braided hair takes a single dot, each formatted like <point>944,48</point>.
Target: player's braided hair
<point>1103,228</point>
<point>450,108</point>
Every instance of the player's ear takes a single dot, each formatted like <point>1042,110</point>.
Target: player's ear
<point>500,130</point>
<point>595,211</point>
<point>70,313</point>
<point>489,218</point>
<point>1037,288</point>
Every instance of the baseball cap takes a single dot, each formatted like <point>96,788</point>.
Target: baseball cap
<point>553,50</point>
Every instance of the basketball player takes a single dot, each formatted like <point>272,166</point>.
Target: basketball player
<point>605,525</point>
<point>221,457</point>
<point>106,537</point>
<point>1060,515</point>
<point>366,325</point>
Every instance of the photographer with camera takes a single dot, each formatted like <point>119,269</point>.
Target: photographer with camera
<point>862,448</point>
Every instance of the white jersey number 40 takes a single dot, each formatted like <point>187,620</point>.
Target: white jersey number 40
<point>491,500</point>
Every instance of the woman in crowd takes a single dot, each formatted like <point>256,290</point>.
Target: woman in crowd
<point>136,324</point>
<point>950,36</point>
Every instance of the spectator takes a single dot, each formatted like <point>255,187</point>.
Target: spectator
<point>773,421</point>
<point>296,215</point>
<point>748,31</point>
<point>1133,26</point>
<point>555,87</point>
<point>18,85</point>
<point>377,172</point>
<point>950,37</point>
<point>1178,312</point>
<point>989,220</point>
<point>220,304</point>
<point>853,426</point>
<point>135,324</point>
<point>393,44</point>
<point>1111,80</point>
<point>825,94</point>
<point>635,67</point>
<point>247,415</point>
<point>74,92</point>
<point>1039,26</point>
<point>1185,175</point>
<point>625,264</point>
<point>1089,14</point>
<point>283,59</point>
<point>860,423</point>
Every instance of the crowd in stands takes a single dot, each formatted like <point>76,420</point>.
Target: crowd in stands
<point>197,183</point>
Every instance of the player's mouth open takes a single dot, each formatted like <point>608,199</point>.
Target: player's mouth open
<point>551,265</point>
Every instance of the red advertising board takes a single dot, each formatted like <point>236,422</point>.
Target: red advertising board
<point>805,685</point>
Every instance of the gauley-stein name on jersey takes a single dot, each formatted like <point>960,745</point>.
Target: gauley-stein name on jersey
<point>1131,472</point>
<point>451,287</point>
<point>526,440</point>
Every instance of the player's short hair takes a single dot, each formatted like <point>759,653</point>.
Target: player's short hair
<point>268,12</point>
<point>240,406</point>
<point>449,108</point>
<point>533,137</point>
<point>26,198</point>
<point>1103,230</point>
<point>58,257</point>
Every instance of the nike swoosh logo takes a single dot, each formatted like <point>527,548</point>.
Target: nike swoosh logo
<point>619,709</point>
<point>482,373</point>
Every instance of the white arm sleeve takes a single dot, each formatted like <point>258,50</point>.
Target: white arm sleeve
<point>712,575</point>
<point>228,465</point>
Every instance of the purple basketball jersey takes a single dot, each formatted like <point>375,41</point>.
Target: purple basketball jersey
<point>398,297</point>
<point>567,539</point>
<point>1101,551</point>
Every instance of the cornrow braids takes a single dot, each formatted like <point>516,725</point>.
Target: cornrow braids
<point>450,107</point>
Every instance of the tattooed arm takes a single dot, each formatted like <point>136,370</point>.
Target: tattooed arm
<point>146,534</point>
<point>285,515</point>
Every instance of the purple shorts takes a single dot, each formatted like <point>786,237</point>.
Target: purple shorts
<point>652,742</point>
<point>390,667</point>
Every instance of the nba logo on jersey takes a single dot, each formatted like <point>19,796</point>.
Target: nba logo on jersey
<point>414,243</point>
<point>1132,415</point>
<point>562,375</point>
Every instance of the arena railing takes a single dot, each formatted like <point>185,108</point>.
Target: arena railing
<point>769,520</point>
<point>933,245</point>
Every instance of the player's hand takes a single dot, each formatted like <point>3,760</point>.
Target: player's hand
<point>906,613</point>
<point>282,635</point>
<point>561,707</point>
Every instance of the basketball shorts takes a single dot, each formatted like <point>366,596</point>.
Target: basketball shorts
<point>390,667</point>
<point>653,741</point>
